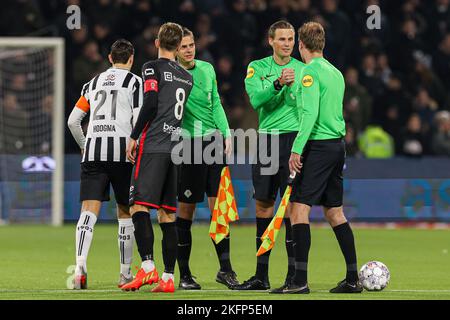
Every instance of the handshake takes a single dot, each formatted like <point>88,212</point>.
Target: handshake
<point>287,77</point>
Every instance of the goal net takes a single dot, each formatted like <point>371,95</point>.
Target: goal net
<point>31,130</point>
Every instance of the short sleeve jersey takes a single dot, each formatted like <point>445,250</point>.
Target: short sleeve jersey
<point>114,98</point>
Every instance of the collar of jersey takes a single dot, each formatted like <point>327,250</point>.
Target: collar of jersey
<point>317,58</point>
<point>195,65</point>
<point>273,60</point>
<point>118,68</point>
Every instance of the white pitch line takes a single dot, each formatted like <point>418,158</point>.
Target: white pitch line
<point>193,291</point>
<point>118,291</point>
<point>419,290</point>
<point>56,291</point>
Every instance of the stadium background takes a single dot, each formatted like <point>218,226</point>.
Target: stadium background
<point>397,85</point>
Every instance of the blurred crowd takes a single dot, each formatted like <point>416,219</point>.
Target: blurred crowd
<point>26,101</point>
<point>397,78</point>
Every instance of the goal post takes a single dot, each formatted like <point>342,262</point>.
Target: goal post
<point>30,56</point>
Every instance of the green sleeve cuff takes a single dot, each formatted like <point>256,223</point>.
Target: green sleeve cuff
<point>227,133</point>
<point>298,145</point>
<point>271,91</point>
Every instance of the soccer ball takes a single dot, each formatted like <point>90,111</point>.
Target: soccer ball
<point>374,276</point>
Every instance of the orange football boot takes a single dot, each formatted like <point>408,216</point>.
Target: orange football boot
<point>164,286</point>
<point>142,278</point>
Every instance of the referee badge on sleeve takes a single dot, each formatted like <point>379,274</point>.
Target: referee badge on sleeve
<point>307,81</point>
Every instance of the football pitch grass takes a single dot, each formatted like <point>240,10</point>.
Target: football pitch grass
<point>34,261</point>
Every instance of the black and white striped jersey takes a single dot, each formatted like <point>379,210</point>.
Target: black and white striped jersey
<point>114,98</point>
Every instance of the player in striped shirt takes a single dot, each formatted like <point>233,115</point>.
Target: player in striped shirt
<point>114,98</point>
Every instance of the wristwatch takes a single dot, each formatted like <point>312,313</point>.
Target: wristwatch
<point>277,85</point>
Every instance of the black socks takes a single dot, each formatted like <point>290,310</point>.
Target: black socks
<point>301,234</point>
<point>143,233</point>
<point>169,245</point>
<point>262,262</point>
<point>184,245</point>
<point>289,248</point>
<point>344,236</point>
<point>223,253</point>
<point>302,237</point>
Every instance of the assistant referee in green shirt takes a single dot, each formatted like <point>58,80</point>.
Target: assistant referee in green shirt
<point>203,119</point>
<point>318,157</point>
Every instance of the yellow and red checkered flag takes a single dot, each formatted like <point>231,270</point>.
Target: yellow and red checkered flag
<point>225,209</point>
<point>270,235</point>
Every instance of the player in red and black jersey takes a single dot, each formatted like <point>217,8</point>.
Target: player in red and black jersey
<point>154,180</point>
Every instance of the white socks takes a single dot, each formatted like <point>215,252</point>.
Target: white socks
<point>166,276</point>
<point>126,241</point>
<point>148,265</point>
<point>83,238</point>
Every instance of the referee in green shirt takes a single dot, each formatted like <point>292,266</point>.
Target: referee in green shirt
<point>318,156</point>
<point>270,85</point>
<point>203,117</point>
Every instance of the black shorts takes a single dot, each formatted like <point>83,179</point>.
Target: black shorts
<point>266,187</point>
<point>154,182</point>
<point>194,180</point>
<point>321,178</point>
<point>97,176</point>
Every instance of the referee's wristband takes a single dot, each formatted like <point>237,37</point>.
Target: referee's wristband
<point>277,85</point>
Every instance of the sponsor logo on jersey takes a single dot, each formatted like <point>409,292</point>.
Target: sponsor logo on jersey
<point>104,128</point>
<point>250,72</point>
<point>189,83</point>
<point>307,81</point>
<point>109,80</point>
<point>167,128</point>
<point>149,72</point>
<point>168,76</point>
